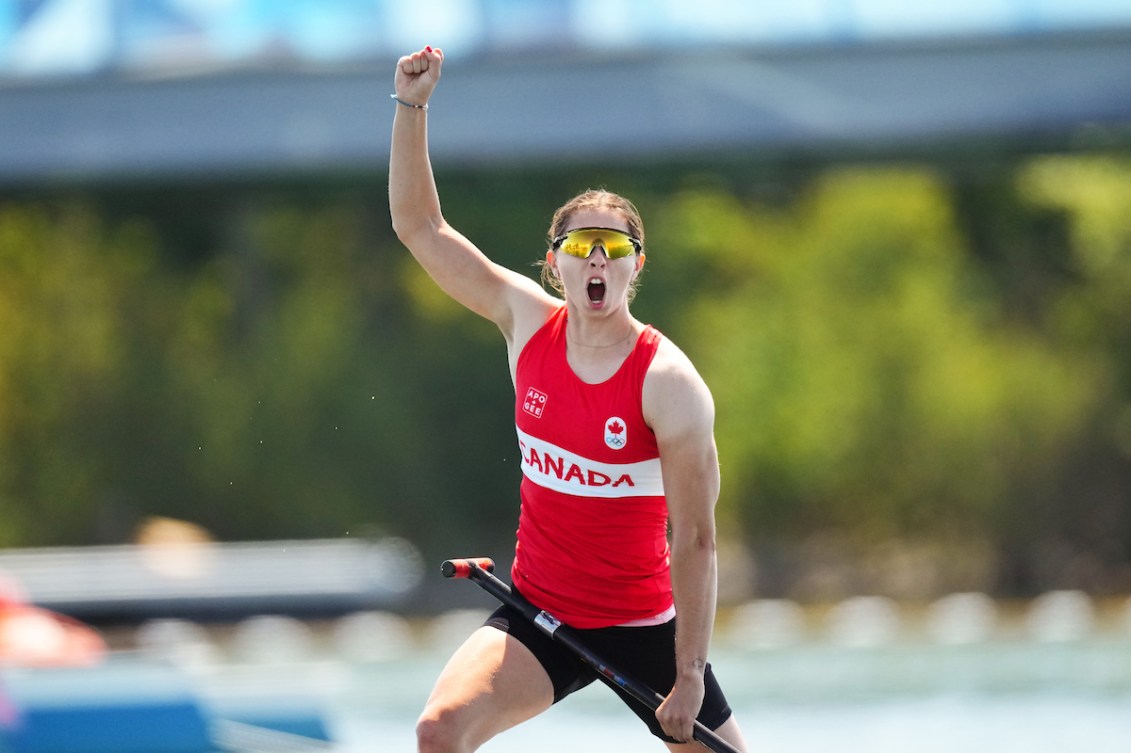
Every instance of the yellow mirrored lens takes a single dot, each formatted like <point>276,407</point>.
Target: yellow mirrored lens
<point>580,243</point>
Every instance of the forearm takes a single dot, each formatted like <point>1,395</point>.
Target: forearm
<point>414,203</point>
<point>694,587</point>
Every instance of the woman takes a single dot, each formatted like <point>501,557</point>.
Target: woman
<point>615,430</point>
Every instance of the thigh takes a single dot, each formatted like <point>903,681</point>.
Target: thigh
<point>568,674</point>
<point>491,683</point>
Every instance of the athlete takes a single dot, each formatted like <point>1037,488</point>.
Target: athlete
<point>615,430</point>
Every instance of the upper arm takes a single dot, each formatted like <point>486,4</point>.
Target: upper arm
<point>679,408</point>
<point>466,274</point>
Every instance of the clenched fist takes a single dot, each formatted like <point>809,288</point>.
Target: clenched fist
<point>417,75</point>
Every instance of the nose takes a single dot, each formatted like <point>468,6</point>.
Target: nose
<point>597,255</point>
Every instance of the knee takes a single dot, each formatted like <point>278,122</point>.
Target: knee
<point>438,731</point>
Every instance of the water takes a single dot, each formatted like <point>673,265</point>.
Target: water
<point>1050,723</point>
<point>987,698</point>
<point>965,676</point>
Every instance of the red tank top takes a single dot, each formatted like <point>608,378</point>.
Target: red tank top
<point>592,536</point>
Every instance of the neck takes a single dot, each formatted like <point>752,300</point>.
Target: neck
<point>599,334</point>
<point>599,345</point>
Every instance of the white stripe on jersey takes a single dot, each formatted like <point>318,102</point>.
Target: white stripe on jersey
<point>562,471</point>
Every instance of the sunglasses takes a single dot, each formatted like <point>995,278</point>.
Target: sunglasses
<point>581,242</point>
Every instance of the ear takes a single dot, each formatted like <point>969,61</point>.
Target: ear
<point>550,259</point>
<point>640,261</point>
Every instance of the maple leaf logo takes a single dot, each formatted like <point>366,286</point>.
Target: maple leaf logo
<point>616,433</point>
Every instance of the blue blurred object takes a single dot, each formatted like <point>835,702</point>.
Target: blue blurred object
<point>112,709</point>
<point>132,706</point>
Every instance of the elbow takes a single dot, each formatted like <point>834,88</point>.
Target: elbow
<point>409,217</point>
<point>411,232</point>
<point>403,225</point>
<point>400,230</point>
<point>695,539</point>
<point>706,542</point>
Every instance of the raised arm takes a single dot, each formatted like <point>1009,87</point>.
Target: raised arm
<point>458,267</point>
<point>681,412</point>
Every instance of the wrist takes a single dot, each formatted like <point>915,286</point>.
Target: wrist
<point>692,668</point>
<point>410,105</point>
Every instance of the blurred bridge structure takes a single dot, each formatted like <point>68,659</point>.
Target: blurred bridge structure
<point>549,82</point>
<point>217,581</point>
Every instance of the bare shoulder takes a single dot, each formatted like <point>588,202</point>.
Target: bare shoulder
<point>529,311</point>
<point>529,306</point>
<point>676,399</point>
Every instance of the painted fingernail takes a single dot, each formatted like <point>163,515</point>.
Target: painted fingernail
<point>428,48</point>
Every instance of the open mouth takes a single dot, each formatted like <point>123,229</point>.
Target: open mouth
<point>596,290</point>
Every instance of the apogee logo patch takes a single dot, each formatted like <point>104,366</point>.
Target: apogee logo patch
<point>534,403</point>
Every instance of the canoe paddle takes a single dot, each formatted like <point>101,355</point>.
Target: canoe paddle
<point>480,571</point>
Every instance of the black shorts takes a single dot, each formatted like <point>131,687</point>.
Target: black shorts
<point>646,654</point>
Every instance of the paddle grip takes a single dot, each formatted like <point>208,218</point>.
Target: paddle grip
<point>461,568</point>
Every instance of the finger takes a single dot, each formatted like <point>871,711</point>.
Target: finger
<point>671,728</point>
<point>415,63</point>
<point>682,730</point>
<point>433,58</point>
<point>411,65</point>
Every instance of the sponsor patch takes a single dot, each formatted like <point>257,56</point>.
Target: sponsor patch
<point>535,402</point>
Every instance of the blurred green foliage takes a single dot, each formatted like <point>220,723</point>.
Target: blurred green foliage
<point>898,354</point>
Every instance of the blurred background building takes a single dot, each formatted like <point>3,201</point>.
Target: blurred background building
<point>97,90</point>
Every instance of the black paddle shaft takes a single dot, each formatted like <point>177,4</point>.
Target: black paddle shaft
<point>480,571</point>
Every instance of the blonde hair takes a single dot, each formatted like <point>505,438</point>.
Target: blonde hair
<point>599,199</point>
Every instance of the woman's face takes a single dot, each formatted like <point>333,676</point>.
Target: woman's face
<point>596,283</point>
